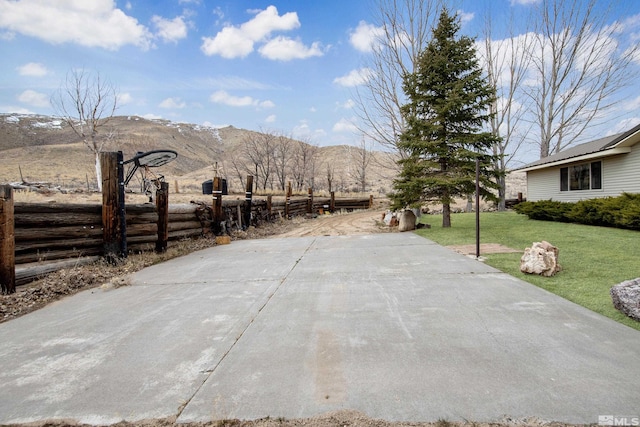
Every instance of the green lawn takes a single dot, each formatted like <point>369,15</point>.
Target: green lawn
<point>592,258</point>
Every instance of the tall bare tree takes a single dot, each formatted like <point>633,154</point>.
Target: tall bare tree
<point>360,157</point>
<point>405,31</point>
<point>578,65</point>
<point>282,156</point>
<point>506,62</point>
<point>86,102</point>
<point>259,148</point>
<point>304,164</point>
<point>330,176</point>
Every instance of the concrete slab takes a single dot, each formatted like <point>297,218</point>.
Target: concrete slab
<point>392,325</point>
<point>429,334</point>
<point>131,353</point>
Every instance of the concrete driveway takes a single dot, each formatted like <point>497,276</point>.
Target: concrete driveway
<point>391,325</point>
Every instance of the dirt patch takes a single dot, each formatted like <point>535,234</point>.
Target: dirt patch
<point>343,418</point>
<point>354,223</point>
<point>485,248</point>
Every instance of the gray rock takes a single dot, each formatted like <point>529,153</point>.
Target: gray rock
<point>407,221</point>
<point>626,297</point>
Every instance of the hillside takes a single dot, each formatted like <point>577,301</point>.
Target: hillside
<point>45,149</point>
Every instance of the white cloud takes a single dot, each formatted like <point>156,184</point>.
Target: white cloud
<point>268,21</point>
<point>524,2</point>
<point>238,41</point>
<point>344,125</point>
<point>355,77</point>
<point>172,103</point>
<point>33,98</point>
<point>465,17</point>
<point>213,125</point>
<point>348,104</point>
<point>624,125</point>
<point>96,23</point>
<point>365,37</point>
<point>229,43</point>
<point>151,116</point>
<point>629,24</point>
<point>15,110</point>
<point>33,69</point>
<point>304,131</point>
<point>270,119</point>
<point>170,30</point>
<point>125,98</point>
<point>219,13</point>
<point>224,98</point>
<point>230,82</point>
<point>285,49</point>
<point>632,105</point>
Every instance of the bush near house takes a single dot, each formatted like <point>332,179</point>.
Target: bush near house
<point>619,212</point>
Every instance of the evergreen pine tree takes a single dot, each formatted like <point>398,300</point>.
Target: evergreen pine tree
<point>448,105</point>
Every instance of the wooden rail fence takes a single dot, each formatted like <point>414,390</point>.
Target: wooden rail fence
<point>37,238</point>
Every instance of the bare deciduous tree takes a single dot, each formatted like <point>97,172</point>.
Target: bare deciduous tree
<point>282,156</point>
<point>86,102</point>
<point>304,164</point>
<point>239,168</point>
<point>259,148</point>
<point>360,158</point>
<point>506,62</point>
<point>405,31</point>
<point>578,65</point>
<point>330,176</point>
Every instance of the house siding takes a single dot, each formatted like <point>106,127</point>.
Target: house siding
<point>619,174</point>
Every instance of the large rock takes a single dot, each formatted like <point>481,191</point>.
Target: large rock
<point>541,258</point>
<point>626,297</point>
<point>407,220</point>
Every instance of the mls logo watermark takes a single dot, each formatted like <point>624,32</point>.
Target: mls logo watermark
<point>613,420</point>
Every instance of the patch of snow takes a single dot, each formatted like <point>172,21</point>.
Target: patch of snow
<point>54,124</point>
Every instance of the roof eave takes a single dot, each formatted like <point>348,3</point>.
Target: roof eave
<point>598,154</point>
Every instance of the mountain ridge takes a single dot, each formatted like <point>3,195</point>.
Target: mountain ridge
<point>45,148</point>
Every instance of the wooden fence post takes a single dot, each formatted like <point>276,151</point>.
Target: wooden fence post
<point>269,206</point>
<point>287,201</point>
<point>162,204</point>
<point>7,241</point>
<point>332,203</point>
<point>113,209</point>
<point>217,205</point>
<point>310,201</point>
<point>247,202</point>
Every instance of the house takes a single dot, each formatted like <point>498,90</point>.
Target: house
<point>605,167</point>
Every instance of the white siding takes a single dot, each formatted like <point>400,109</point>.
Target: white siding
<point>619,174</point>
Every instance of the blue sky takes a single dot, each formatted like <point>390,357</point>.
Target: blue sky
<point>288,66</point>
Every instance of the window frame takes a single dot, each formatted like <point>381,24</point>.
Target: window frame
<point>580,175</point>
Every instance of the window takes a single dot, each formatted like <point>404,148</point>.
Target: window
<point>585,176</point>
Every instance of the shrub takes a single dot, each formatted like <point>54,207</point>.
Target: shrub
<point>545,210</point>
<point>591,212</point>
<point>629,214</point>
<point>621,212</point>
